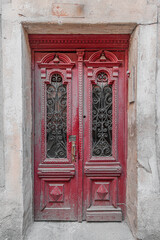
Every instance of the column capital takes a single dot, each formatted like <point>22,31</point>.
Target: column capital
<point>80,54</point>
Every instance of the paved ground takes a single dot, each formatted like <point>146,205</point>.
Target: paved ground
<point>79,231</point>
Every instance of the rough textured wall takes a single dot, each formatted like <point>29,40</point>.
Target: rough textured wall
<point>131,196</point>
<point>158,92</point>
<point>1,109</point>
<point>148,204</point>
<point>100,11</point>
<point>39,15</point>
<point>11,214</point>
<point>27,129</point>
<point>98,16</point>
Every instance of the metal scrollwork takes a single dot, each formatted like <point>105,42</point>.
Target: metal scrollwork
<point>102,117</point>
<point>56,118</point>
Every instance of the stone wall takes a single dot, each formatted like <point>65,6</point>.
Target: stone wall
<point>148,204</point>
<point>1,109</point>
<point>158,92</point>
<point>140,19</point>
<point>27,134</point>
<point>11,211</point>
<point>131,196</point>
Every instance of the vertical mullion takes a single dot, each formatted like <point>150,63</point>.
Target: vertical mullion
<point>80,54</point>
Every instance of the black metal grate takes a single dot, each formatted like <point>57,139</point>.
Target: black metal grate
<point>56,118</point>
<point>102,117</point>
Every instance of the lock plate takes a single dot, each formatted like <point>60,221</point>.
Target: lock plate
<point>72,138</point>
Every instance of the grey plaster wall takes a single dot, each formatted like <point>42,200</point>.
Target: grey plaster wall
<point>95,11</point>
<point>143,197</point>
<point>158,91</point>
<point>1,109</point>
<point>131,196</point>
<point>11,209</point>
<point>27,134</point>
<point>99,16</point>
<point>148,204</point>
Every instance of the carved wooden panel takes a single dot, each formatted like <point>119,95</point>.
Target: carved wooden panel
<point>102,62</point>
<point>102,200</point>
<point>56,193</point>
<point>102,167</point>
<point>55,199</point>
<point>102,192</point>
<point>86,101</point>
<point>53,193</point>
<point>55,181</point>
<point>55,64</point>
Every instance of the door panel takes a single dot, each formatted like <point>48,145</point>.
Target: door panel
<point>79,135</point>
<point>101,163</point>
<point>55,120</point>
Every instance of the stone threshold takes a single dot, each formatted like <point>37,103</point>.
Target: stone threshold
<point>79,231</point>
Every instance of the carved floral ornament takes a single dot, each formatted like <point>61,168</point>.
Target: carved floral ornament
<point>103,61</point>
<point>56,63</point>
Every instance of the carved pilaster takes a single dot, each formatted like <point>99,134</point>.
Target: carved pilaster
<point>80,80</point>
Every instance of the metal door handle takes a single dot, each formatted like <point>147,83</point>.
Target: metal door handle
<point>73,151</point>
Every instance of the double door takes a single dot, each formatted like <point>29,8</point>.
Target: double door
<point>79,132</point>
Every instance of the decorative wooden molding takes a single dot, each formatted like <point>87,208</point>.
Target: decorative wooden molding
<point>103,61</point>
<point>55,58</point>
<point>56,63</point>
<point>50,64</point>
<point>103,58</point>
<point>80,54</point>
<point>56,172</point>
<point>75,41</point>
<point>43,73</point>
<point>104,214</point>
<point>57,178</point>
<point>112,73</point>
<point>102,170</point>
<point>52,191</point>
<point>56,193</point>
<point>103,189</point>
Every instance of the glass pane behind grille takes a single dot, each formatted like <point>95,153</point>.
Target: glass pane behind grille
<point>102,117</point>
<point>56,118</point>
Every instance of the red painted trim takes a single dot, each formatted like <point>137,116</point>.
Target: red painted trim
<point>33,121</point>
<point>80,54</point>
<point>79,41</point>
<point>126,126</point>
<point>88,43</point>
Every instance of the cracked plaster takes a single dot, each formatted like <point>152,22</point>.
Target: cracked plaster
<point>138,16</point>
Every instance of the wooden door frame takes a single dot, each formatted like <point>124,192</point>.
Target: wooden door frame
<point>79,43</point>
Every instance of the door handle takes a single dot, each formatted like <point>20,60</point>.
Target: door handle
<point>73,151</point>
<point>72,138</point>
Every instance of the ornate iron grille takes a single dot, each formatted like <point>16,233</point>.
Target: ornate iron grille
<point>102,117</point>
<point>56,118</point>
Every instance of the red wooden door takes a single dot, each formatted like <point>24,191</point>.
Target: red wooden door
<point>79,131</point>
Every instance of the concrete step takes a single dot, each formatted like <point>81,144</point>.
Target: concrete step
<point>79,231</point>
